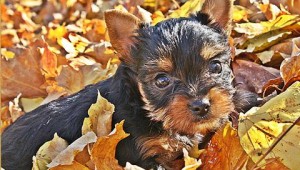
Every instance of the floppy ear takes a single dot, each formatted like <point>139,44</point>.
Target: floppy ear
<point>219,12</point>
<point>121,29</point>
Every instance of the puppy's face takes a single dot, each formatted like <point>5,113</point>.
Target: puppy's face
<point>182,65</point>
<point>184,75</point>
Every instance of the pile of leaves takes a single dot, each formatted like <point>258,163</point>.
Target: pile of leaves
<point>53,48</point>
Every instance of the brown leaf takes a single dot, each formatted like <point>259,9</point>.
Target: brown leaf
<point>5,118</point>
<point>103,152</point>
<point>224,151</point>
<point>84,156</point>
<point>273,85</point>
<point>73,80</point>
<point>290,70</point>
<point>6,40</point>
<point>274,163</point>
<point>251,76</point>
<point>22,74</point>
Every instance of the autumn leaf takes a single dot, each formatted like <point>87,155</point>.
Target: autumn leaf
<point>7,54</point>
<point>103,152</point>
<point>30,104</point>
<point>66,157</point>
<point>100,117</point>
<point>74,166</point>
<point>73,80</point>
<point>224,151</point>
<point>190,7</point>
<point>260,127</point>
<point>251,76</point>
<point>48,151</point>
<point>57,33</point>
<point>22,74</point>
<point>48,62</point>
<point>190,163</point>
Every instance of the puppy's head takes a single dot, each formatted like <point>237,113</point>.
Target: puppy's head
<point>182,66</point>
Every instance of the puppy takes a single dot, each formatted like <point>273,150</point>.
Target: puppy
<point>172,88</point>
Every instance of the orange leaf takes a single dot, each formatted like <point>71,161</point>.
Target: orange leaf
<point>74,166</point>
<point>22,74</point>
<point>103,152</point>
<point>48,62</point>
<point>274,163</point>
<point>224,151</point>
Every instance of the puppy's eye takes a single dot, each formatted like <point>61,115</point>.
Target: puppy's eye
<point>215,67</point>
<point>162,81</point>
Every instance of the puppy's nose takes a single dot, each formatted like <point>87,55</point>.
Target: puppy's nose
<point>199,107</point>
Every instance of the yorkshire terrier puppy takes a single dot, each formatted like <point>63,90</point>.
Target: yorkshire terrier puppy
<point>173,87</point>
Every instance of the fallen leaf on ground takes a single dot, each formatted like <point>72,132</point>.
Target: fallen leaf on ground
<point>260,127</point>
<point>66,157</point>
<point>252,76</point>
<point>224,151</point>
<point>103,152</point>
<point>190,163</point>
<point>48,151</point>
<point>100,117</point>
<point>22,74</point>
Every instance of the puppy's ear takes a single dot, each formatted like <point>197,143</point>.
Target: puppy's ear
<point>219,13</point>
<point>121,29</point>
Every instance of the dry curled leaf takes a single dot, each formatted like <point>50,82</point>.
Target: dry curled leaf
<point>48,151</point>
<point>100,117</point>
<point>66,157</point>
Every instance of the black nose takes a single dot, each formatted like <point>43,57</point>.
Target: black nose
<point>199,107</point>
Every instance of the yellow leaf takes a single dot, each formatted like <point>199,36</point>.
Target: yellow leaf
<point>48,151</point>
<point>57,33</point>
<point>190,163</point>
<point>253,29</point>
<point>157,17</point>
<point>7,54</point>
<point>29,104</point>
<point>31,3</point>
<point>190,7</point>
<point>260,127</point>
<point>100,117</point>
<point>239,13</point>
<point>103,152</point>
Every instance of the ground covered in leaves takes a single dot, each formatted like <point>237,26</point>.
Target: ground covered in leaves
<point>54,48</point>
